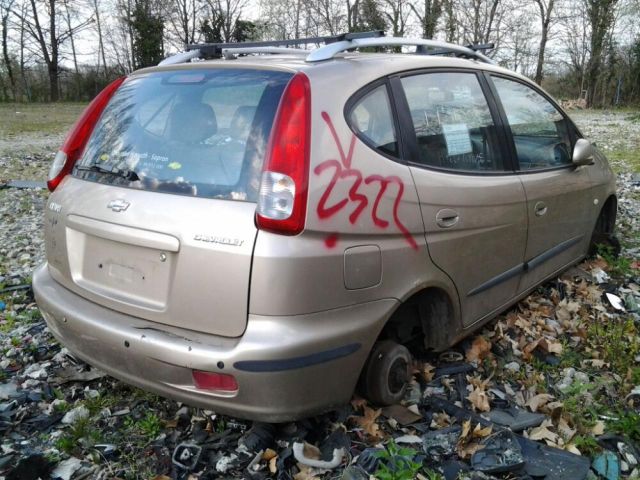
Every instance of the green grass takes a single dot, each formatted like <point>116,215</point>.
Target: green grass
<point>620,266</point>
<point>580,403</point>
<point>586,444</point>
<point>82,433</point>
<point>9,323</point>
<point>148,427</point>
<point>44,118</point>
<point>628,424</point>
<point>628,157</point>
<point>396,463</point>
<point>617,340</point>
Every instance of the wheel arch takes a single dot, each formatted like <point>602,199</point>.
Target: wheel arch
<point>429,319</point>
<point>605,223</point>
<point>603,229</point>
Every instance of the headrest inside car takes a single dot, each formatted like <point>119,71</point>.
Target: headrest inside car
<point>241,122</point>
<point>192,122</point>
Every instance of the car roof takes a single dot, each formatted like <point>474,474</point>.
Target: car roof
<point>359,63</point>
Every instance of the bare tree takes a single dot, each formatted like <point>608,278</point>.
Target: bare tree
<point>328,16</point>
<point>353,11</point>
<point>451,22</point>
<point>95,4</point>
<point>601,15</point>
<point>125,10</point>
<point>23,75</point>
<point>5,11</point>
<point>397,14</point>
<point>546,15</point>
<point>428,15</point>
<point>50,37</point>
<point>183,16</point>
<point>229,12</point>
<point>517,50</point>
<point>479,20</point>
<point>576,42</point>
<point>67,17</point>
<point>284,20</point>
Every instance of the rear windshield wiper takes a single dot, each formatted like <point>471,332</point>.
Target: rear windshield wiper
<point>126,174</point>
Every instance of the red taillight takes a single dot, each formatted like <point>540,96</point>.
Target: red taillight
<point>77,137</point>
<point>214,381</point>
<point>282,201</point>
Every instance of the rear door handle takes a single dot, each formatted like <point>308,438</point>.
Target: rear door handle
<point>447,218</point>
<point>540,209</point>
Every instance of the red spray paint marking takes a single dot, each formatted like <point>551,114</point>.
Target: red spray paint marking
<point>342,170</point>
<point>331,240</point>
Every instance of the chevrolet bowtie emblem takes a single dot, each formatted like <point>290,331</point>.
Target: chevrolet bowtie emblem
<point>118,205</point>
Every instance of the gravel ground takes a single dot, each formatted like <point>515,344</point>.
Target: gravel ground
<point>56,412</point>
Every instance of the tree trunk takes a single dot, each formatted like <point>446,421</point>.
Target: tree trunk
<point>601,14</point>
<point>545,20</point>
<point>53,65</point>
<point>25,85</point>
<point>450,27</point>
<point>54,94</point>
<point>5,52</point>
<point>100,38</point>
<point>73,51</point>
<point>429,21</point>
<point>539,66</point>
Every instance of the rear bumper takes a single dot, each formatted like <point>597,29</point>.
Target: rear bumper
<point>286,367</point>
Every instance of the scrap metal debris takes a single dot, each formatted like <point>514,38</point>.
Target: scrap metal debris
<point>24,184</point>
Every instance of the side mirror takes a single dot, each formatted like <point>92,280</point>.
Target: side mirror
<point>582,153</point>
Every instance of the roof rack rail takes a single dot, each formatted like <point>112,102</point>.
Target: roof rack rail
<point>332,46</point>
<point>230,53</point>
<point>215,50</point>
<point>424,47</point>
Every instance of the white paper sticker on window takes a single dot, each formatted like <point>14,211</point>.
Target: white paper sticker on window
<point>457,138</point>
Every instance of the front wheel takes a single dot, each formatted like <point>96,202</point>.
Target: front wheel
<point>387,373</point>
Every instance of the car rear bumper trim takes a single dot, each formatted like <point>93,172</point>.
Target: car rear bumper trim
<point>286,367</point>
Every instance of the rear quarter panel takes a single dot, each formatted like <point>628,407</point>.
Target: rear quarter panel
<point>364,236</point>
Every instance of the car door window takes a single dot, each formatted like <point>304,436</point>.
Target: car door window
<point>452,122</point>
<point>539,130</point>
<point>372,120</point>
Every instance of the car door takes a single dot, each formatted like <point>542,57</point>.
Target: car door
<point>558,199</point>
<point>472,203</point>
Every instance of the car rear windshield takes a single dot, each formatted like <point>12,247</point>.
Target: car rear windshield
<point>197,132</point>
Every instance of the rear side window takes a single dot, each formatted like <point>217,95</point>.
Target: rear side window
<point>539,130</point>
<point>452,122</point>
<point>372,120</point>
<point>197,132</point>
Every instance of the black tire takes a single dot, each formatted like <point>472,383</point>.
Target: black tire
<point>386,374</point>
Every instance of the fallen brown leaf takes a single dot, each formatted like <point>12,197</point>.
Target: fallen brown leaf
<point>469,440</point>
<point>358,403</point>
<point>273,464</point>
<point>551,346</point>
<point>269,454</point>
<point>480,349</point>
<point>311,451</point>
<point>440,420</point>
<point>479,400</point>
<point>538,401</point>
<point>594,362</point>
<point>305,473</point>
<point>368,422</point>
<point>543,433</point>
<point>426,371</point>
<point>598,428</point>
<point>565,430</point>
